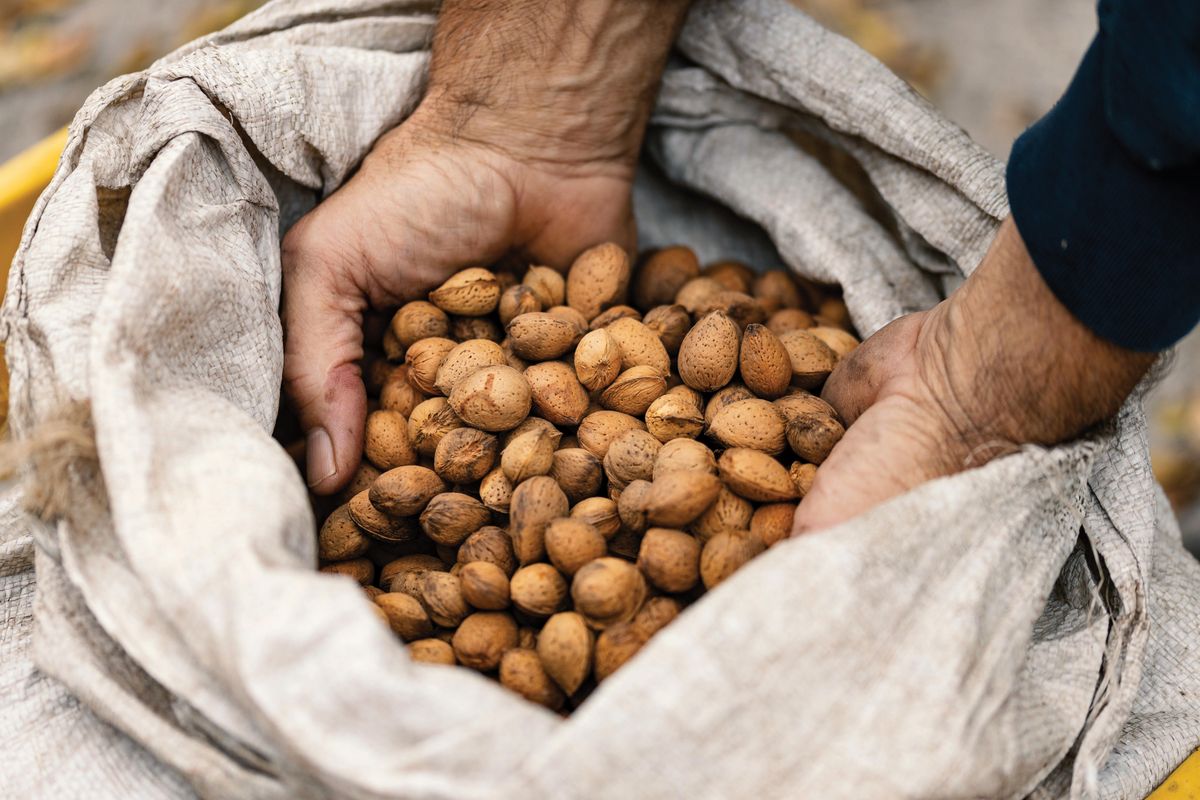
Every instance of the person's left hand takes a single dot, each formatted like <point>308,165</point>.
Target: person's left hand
<point>999,364</point>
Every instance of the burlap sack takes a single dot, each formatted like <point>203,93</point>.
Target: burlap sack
<point>1020,629</point>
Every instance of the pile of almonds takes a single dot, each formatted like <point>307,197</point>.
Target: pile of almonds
<point>551,475</point>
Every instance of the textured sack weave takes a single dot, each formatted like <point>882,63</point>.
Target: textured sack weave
<point>964,640</point>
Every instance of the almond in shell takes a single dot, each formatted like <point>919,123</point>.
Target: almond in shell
<point>662,275</point>
<point>469,293</point>
<point>556,393</point>
<point>708,357</point>
<point>756,424</point>
<point>678,498</point>
<point>495,398</point>
<point>755,476</point>
<point>599,279</point>
<point>565,648</point>
<point>765,365</point>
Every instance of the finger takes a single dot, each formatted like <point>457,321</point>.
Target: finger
<point>322,312</point>
<point>854,385</point>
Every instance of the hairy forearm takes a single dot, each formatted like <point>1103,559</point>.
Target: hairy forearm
<point>1019,367</point>
<point>551,80</point>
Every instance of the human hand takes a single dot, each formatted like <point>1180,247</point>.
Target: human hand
<point>999,364</point>
<point>526,141</point>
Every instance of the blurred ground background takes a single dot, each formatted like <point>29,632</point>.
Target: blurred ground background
<point>993,66</point>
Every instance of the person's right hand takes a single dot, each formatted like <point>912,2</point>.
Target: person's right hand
<point>532,152</point>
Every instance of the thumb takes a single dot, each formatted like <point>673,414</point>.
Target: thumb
<point>323,344</point>
<point>855,383</point>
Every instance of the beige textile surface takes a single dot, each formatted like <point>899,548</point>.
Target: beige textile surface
<point>964,640</point>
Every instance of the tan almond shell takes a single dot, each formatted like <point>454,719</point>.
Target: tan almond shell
<point>812,360</point>
<point>538,590</point>
<point>464,359</point>
<point>606,318</point>
<point>385,440</point>
<point>775,289</point>
<point>670,323</point>
<point>732,393</point>
<point>631,507</point>
<point>676,499</point>
<point>786,320</point>
<point>541,336</point>
<point>429,422</point>
<point>491,544</point>
<point>360,570</point>
<point>631,457</point>
<point>465,455</point>
<point>608,591</point>
<point>764,364</point>
<point>565,647</point>
<point>756,424</point>
<point>597,360</point>
<point>557,394</point>
<point>527,455</point>
<point>339,538</point>
<point>733,275</point>
<point>451,517</point>
<point>578,473</point>
<point>375,523</point>
<point>670,559</point>
<point>708,357</point>
<point>405,615</point>
<point>431,651</point>
<point>484,585</point>
<point>697,291</point>
<point>598,430</point>
<point>755,476</point>
<point>495,491</point>
<point>599,279</point>
<point>418,320</point>
<point>571,543</point>
<point>673,416</point>
<point>423,359</point>
<point>639,346</point>
<point>802,476</point>
<point>495,398</point>
<point>521,671</point>
<point>517,300</point>
<point>839,341</point>
<point>727,513</point>
<point>470,293</point>
<point>406,490</point>
<point>662,275</point>
<point>772,523</point>
<point>483,638</point>
<point>813,436</point>
<point>443,598</point>
<point>535,502</point>
<point>548,285</point>
<point>634,390</point>
<point>681,455</point>
<point>419,563</point>
<point>599,512</point>
<point>726,553</point>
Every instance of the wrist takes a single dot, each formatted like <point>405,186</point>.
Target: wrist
<point>1010,365</point>
<point>564,83</point>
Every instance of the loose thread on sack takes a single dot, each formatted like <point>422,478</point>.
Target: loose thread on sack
<point>59,450</point>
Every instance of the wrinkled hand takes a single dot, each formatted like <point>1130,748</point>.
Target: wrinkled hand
<point>999,364</point>
<point>526,141</point>
<point>423,205</point>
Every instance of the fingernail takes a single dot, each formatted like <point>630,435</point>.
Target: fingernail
<point>319,459</point>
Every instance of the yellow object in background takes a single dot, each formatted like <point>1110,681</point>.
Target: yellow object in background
<point>21,181</point>
<point>23,178</point>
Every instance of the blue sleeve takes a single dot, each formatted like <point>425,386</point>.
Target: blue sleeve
<point>1105,189</point>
